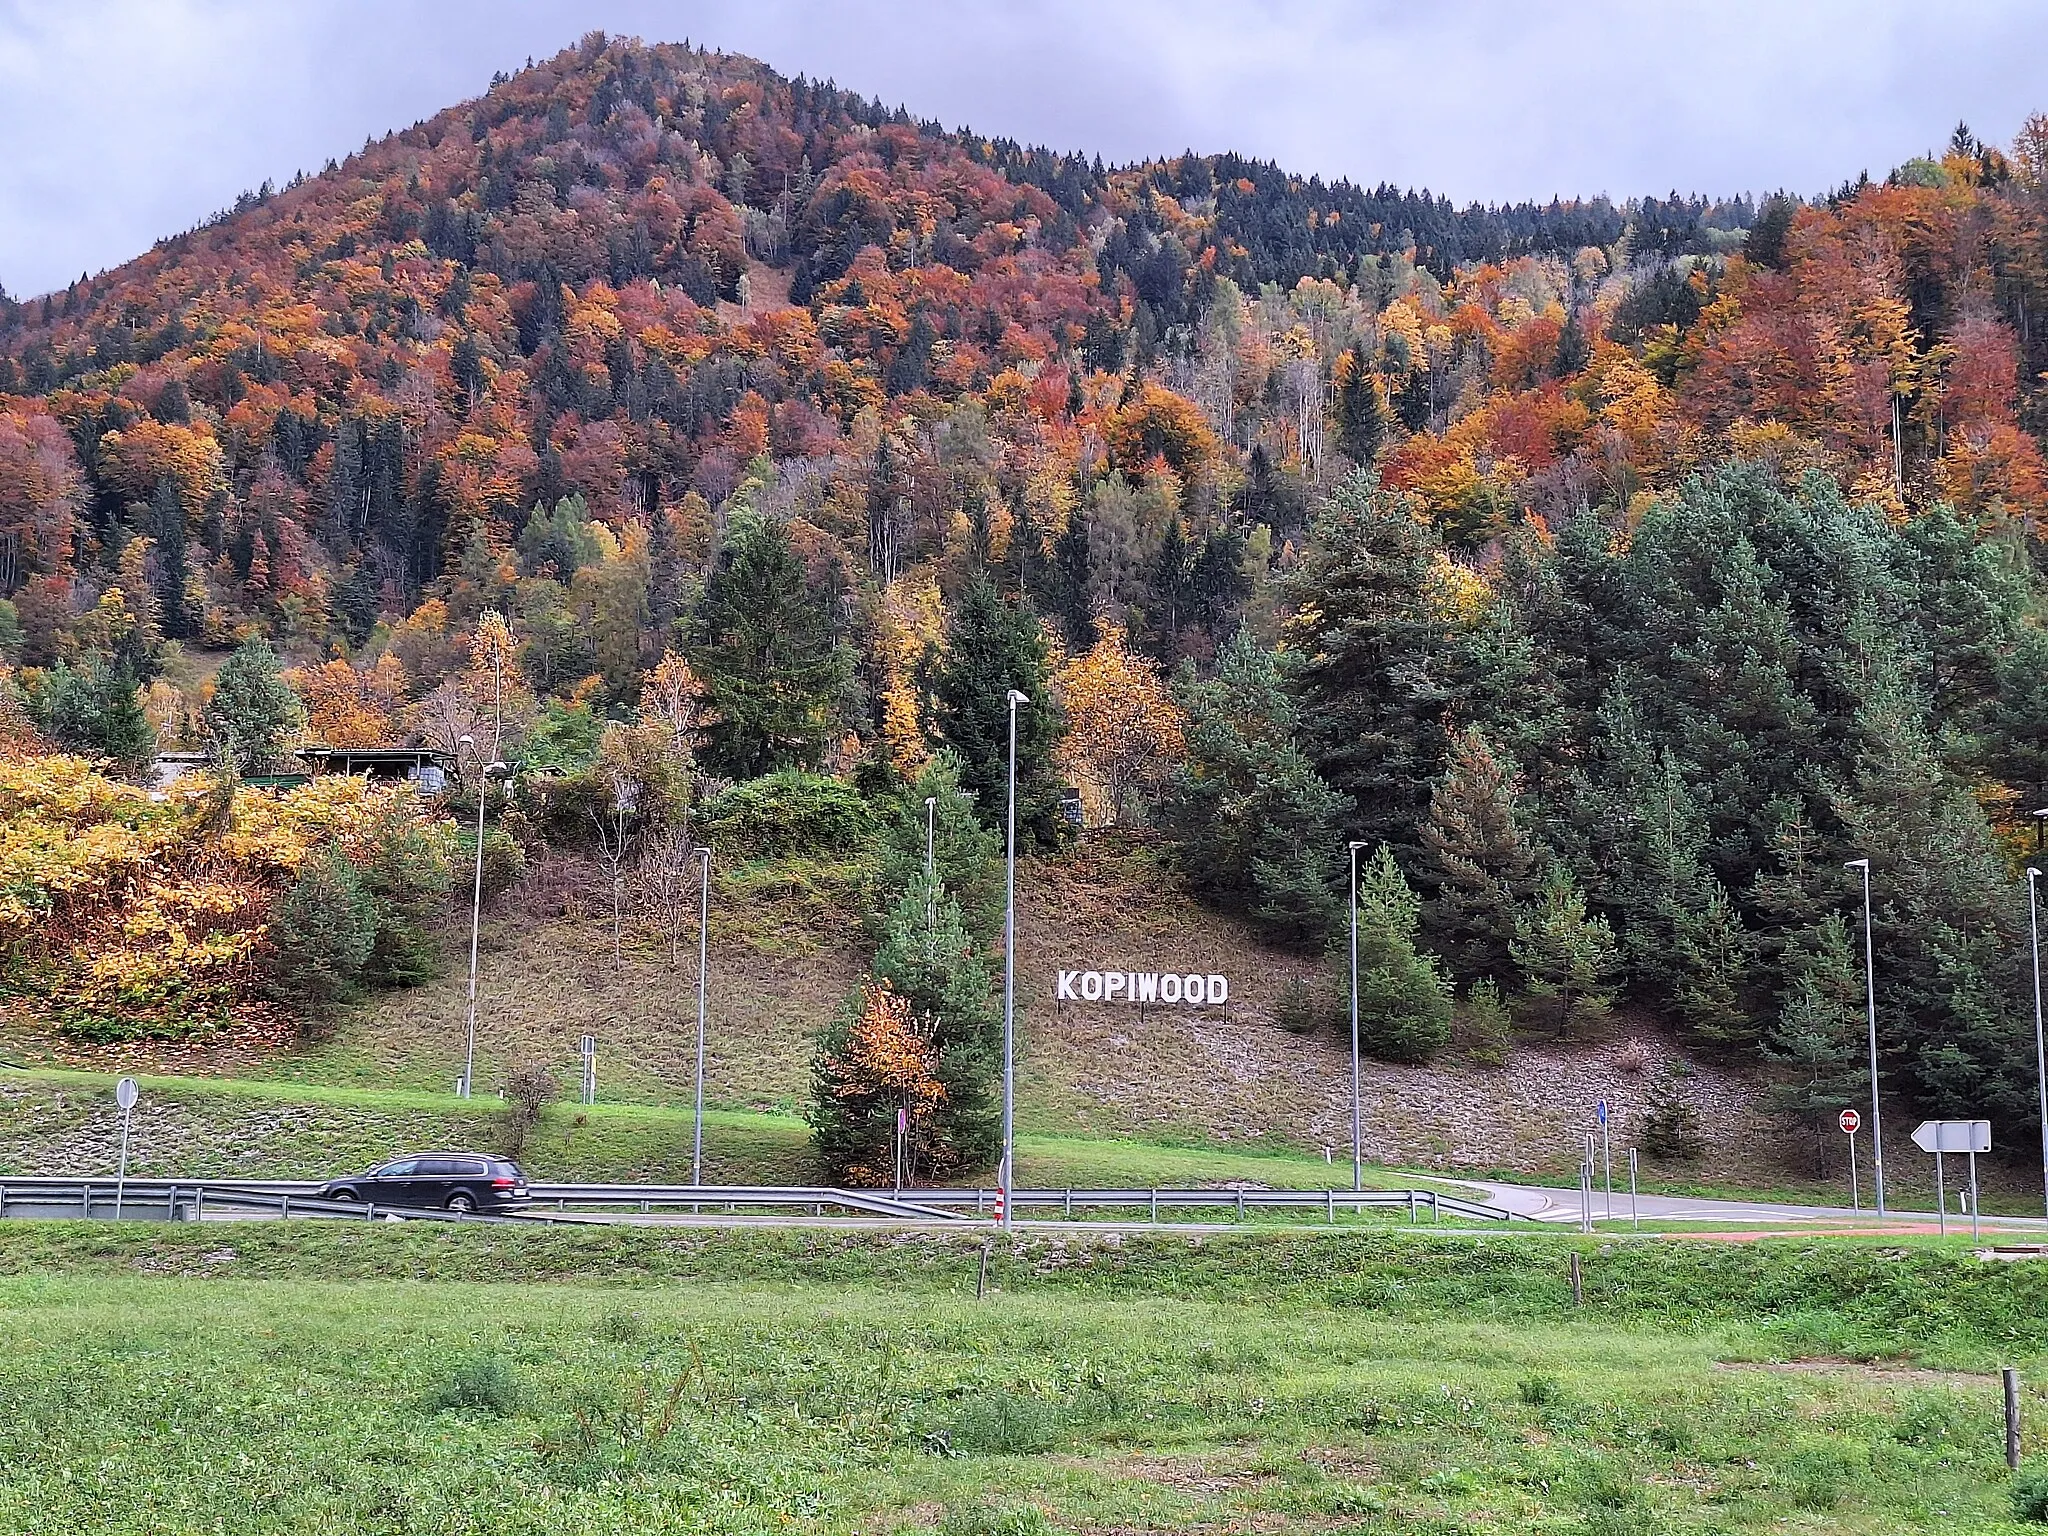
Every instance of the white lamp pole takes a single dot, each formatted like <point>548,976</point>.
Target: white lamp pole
<point>931,897</point>
<point>1010,975</point>
<point>476,909</point>
<point>1357,1115</point>
<point>2040,1045</point>
<point>703,956</point>
<point>1870,1002</point>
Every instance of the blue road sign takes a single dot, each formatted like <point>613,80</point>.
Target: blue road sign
<point>1603,1111</point>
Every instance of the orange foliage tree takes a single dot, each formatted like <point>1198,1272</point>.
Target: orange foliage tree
<point>878,1059</point>
<point>1125,733</point>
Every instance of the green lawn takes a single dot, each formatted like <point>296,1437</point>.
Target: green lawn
<point>202,1380</point>
<point>267,1127</point>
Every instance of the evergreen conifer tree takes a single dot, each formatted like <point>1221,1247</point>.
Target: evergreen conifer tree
<point>1569,960</point>
<point>1253,827</point>
<point>992,647</point>
<point>765,650</point>
<point>167,527</point>
<point>1404,1001</point>
<point>1376,676</point>
<point>928,957</point>
<point>253,712</point>
<point>1477,861</point>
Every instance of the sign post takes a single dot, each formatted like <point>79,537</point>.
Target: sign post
<point>1635,1216</point>
<point>902,1126</point>
<point>1942,1136</point>
<point>1851,1123</point>
<point>1606,1159</point>
<point>588,1046</point>
<point>125,1095</point>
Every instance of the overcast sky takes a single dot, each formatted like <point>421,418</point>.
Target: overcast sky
<point>125,120</point>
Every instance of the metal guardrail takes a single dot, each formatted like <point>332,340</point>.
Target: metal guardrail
<point>188,1199</point>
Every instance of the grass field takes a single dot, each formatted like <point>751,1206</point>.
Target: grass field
<point>228,1381</point>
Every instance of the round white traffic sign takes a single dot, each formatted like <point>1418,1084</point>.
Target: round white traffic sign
<point>1850,1122</point>
<point>125,1093</point>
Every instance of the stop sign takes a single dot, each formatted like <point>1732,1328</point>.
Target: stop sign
<point>1850,1121</point>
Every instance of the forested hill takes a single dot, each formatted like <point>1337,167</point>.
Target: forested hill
<point>1623,569</point>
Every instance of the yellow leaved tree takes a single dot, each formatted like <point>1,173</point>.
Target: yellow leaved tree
<point>1125,734</point>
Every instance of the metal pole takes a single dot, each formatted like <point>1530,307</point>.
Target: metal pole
<point>2040,1048</point>
<point>931,896</point>
<point>121,1180</point>
<point>1974,1233</point>
<point>1940,1195</point>
<point>1010,973</point>
<point>703,959</point>
<point>1870,1003</point>
<point>1855,1195</point>
<point>1357,1116</point>
<point>1635,1218</point>
<point>1607,1163</point>
<point>476,912</point>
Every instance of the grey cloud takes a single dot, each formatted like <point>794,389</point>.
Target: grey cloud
<point>125,120</point>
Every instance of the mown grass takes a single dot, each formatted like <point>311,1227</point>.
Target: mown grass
<point>266,1127</point>
<point>692,1382</point>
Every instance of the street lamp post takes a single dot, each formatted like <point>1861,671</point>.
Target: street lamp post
<point>1870,1003</point>
<point>931,891</point>
<point>476,909</point>
<point>703,956</point>
<point>1357,1117</point>
<point>1010,974</point>
<point>2040,1045</point>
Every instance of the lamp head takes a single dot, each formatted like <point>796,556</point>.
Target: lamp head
<point>930,801</point>
<point>496,770</point>
<point>1357,844</point>
<point>467,741</point>
<point>1017,698</point>
<point>2033,873</point>
<point>1857,864</point>
<point>2042,813</point>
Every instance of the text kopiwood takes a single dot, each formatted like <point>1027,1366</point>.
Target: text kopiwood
<point>1141,987</point>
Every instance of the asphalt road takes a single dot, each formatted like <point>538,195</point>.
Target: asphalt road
<point>1563,1206</point>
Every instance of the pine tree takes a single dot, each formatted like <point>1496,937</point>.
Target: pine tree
<point>1361,419</point>
<point>93,709</point>
<point>765,650</point>
<point>167,528</point>
<point>928,957</point>
<point>1404,1001</point>
<point>253,712</point>
<point>1712,951</point>
<point>992,647</point>
<point>1568,959</point>
<point>1816,1045</point>
<point>1477,861</point>
<point>1375,678</point>
<point>1253,827</point>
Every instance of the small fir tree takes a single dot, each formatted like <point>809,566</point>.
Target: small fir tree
<point>1569,961</point>
<point>1404,1002</point>
<point>1476,859</point>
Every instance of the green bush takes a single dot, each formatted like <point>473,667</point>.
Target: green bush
<point>2030,1497</point>
<point>1004,1424</point>
<point>789,813</point>
<point>484,1384</point>
<point>322,932</point>
<point>982,1520</point>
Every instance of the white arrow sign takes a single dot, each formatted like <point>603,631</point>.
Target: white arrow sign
<point>1953,1136</point>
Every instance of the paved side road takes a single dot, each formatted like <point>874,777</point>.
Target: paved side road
<point>1562,1205</point>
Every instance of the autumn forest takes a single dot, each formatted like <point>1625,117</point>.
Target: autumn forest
<point>715,450</point>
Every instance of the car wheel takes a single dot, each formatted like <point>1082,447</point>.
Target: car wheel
<point>344,1194</point>
<point>461,1204</point>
